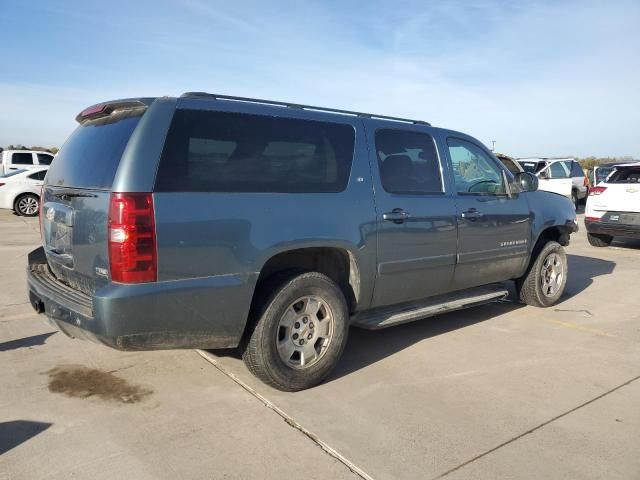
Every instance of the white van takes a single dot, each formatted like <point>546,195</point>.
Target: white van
<point>23,160</point>
<point>553,176</point>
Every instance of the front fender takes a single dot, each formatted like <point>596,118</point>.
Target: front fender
<point>551,210</point>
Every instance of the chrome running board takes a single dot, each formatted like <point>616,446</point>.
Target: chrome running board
<point>408,312</point>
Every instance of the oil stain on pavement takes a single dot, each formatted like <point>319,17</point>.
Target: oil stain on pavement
<point>81,382</point>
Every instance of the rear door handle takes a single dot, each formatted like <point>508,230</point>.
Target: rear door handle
<point>472,214</point>
<point>397,215</point>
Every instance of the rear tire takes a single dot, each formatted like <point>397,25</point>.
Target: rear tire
<point>599,240</point>
<point>27,205</point>
<point>546,278</point>
<point>300,332</point>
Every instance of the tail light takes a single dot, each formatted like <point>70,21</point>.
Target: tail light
<point>93,110</point>
<point>132,238</point>
<point>596,191</point>
<point>592,219</point>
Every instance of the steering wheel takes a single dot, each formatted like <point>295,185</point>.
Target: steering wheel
<point>480,183</point>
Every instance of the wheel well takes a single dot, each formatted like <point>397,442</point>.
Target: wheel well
<point>336,263</point>
<point>552,234</point>
<point>558,234</point>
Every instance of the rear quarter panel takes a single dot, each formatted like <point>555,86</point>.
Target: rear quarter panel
<point>230,236</point>
<point>12,190</point>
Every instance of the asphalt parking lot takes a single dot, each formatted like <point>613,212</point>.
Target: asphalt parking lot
<point>500,391</point>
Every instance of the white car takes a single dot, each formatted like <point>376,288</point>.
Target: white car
<point>613,206</point>
<point>12,160</point>
<point>556,168</point>
<point>20,191</point>
<point>553,176</point>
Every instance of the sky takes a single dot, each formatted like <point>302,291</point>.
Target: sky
<point>541,78</point>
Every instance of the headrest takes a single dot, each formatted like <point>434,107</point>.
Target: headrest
<point>396,165</point>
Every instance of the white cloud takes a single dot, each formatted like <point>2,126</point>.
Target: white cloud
<point>540,78</point>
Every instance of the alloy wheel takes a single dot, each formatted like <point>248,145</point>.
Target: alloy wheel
<point>304,332</point>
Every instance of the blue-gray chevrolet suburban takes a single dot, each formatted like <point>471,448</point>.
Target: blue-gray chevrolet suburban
<point>210,221</point>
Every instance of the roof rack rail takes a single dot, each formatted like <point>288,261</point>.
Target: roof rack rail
<point>215,96</point>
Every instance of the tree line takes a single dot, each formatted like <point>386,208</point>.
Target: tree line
<point>590,162</point>
<point>53,150</point>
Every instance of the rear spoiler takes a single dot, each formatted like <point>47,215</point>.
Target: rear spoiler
<point>105,109</point>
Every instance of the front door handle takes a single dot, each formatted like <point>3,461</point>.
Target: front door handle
<point>472,214</point>
<point>397,215</point>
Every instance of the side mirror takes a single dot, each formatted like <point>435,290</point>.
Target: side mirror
<point>527,182</point>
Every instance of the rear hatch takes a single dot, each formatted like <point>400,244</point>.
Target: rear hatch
<point>622,191</point>
<point>77,190</point>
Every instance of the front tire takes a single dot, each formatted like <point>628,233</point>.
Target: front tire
<point>546,278</point>
<point>27,205</point>
<point>599,240</point>
<point>300,332</point>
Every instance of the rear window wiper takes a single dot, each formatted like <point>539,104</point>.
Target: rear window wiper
<point>67,195</point>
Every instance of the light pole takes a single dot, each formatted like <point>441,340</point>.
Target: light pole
<point>493,145</point>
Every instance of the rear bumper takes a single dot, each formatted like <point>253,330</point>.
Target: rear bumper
<point>194,313</point>
<point>613,229</point>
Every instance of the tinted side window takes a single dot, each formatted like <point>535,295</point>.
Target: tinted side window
<point>209,151</point>
<point>38,175</point>
<point>408,162</point>
<point>474,170</point>
<point>576,170</point>
<point>44,159</point>
<point>22,159</point>
<point>558,170</point>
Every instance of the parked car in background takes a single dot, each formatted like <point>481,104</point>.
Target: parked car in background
<point>511,164</point>
<point>11,160</point>
<point>209,221</point>
<point>599,173</point>
<point>613,206</point>
<point>552,176</point>
<point>20,191</point>
<point>579,179</point>
<point>546,168</point>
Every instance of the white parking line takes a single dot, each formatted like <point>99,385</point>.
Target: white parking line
<point>288,418</point>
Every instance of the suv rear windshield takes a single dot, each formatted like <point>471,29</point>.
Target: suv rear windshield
<point>209,151</point>
<point>91,155</point>
<point>12,173</point>
<point>625,175</point>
